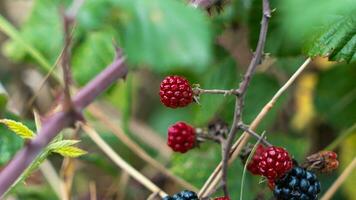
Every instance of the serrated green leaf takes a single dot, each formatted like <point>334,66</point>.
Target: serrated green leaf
<point>165,33</point>
<point>70,151</point>
<point>17,127</point>
<point>3,98</point>
<point>61,144</point>
<point>336,41</point>
<point>92,55</point>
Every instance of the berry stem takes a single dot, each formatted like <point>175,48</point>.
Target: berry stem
<point>59,121</point>
<point>254,134</point>
<point>198,91</point>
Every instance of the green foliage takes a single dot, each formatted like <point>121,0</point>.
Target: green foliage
<point>261,90</point>
<point>336,41</point>
<point>335,97</point>
<point>164,33</point>
<point>92,55</point>
<point>43,35</point>
<point>9,145</point>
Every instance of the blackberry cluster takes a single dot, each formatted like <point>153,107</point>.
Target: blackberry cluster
<point>183,195</point>
<point>297,184</point>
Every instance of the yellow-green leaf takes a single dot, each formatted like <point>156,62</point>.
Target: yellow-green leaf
<point>70,151</point>
<point>62,144</point>
<point>18,128</point>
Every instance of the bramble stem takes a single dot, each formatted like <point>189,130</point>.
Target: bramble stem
<point>60,120</point>
<point>257,58</point>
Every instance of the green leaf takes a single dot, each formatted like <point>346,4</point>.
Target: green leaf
<point>336,41</point>
<point>92,55</point>
<point>335,97</point>
<point>62,144</point>
<point>9,145</point>
<point>165,33</point>
<point>3,98</point>
<point>17,127</point>
<point>70,151</point>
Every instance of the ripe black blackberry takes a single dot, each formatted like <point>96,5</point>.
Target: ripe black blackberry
<point>297,184</point>
<point>183,195</point>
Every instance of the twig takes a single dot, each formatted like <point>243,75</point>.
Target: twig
<point>92,190</point>
<point>51,176</point>
<point>59,121</point>
<point>198,91</point>
<point>266,14</point>
<point>340,180</point>
<point>239,144</point>
<point>121,162</point>
<point>68,22</point>
<point>261,139</point>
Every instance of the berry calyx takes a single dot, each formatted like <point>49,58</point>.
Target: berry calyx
<point>222,198</point>
<point>181,137</point>
<point>175,91</point>
<point>298,183</point>
<point>271,162</point>
<point>183,195</point>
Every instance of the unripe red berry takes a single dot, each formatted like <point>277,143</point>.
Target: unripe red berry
<point>181,137</point>
<point>253,164</point>
<point>271,162</point>
<point>175,91</point>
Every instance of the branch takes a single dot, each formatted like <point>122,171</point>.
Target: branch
<point>68,21</point>
<point>266,14</point>
<point>59,121</point>
<point>215,177</point>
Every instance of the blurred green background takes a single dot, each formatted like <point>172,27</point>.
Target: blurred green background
<point>163,37</point>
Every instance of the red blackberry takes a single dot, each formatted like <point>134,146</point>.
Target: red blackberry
<point>297,184</point>
<point>183,195</point>
<point>271,162</point>
<point>175,91</point>
<point>253,164</point>
<point>222,198</point>
<point>181,137</point>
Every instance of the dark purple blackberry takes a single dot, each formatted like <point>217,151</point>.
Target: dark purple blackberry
<point>297,184</point>
<point>183,195</point>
